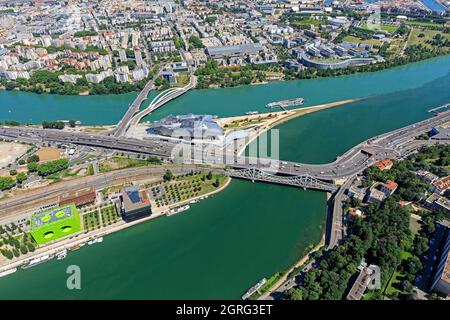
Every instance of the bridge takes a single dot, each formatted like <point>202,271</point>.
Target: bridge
<point>388,145</point>
<point>162,99</point>
<point>123,124</point>
<point>304,181</point>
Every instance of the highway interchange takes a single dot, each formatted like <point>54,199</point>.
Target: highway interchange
<point>388,145</point>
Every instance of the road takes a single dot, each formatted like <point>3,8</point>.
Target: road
<point>100,181</point>
<point>124,123</point>
<point>335,227</point>
<point>389,145</point>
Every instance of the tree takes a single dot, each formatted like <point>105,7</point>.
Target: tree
<point>21,162</point>
<point>32,166</point>
<point>13,172</point>
<point>21,177</point>
<point>72,123</point>
<point>168,175</point>
<point>217,183</point>
<point>209,175</point>
<point>6,183</point>
<point>33,158</point>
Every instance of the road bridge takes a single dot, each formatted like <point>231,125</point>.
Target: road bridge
<point>124,123</point>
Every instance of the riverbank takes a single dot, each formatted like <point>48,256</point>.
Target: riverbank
<point>81,238</point>
<point>297,265</point>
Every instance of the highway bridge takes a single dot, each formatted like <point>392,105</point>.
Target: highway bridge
<point>124,123</point>
<point>388,145</point>
<point>162,99</point>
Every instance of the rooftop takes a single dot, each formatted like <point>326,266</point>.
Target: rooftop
<point>134,199</point>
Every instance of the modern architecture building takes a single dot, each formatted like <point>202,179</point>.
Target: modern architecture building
<point>135,204</point>
<point>188,127</point>
<point>55,223</point>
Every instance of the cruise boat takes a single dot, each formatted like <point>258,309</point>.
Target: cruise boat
<point>7,272</point>
<point>177,210</point>
<point>286,103</point>
<point>36,261</point>
<point>254,289</point>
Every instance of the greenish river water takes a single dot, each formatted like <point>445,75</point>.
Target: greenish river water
<point>224,244</point>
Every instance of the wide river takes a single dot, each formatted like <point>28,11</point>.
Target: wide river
<point>226,243</point>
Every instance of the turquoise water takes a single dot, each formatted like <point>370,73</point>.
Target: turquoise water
<point>224,244</point>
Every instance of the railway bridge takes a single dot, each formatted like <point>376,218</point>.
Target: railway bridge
<point>302,181</point>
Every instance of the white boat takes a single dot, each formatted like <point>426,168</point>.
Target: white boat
<point>193,201</point>
<point>177,210</point>
<point>254,289</point>
<point>8,272</point>
<point>61,255</point>
<point>94,241</point>
<point>36,261</point>
<point>249,113</point>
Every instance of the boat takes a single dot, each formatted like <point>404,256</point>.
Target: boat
<point>7,272</point>
<point>193,201</point>
<point>249,113</point>
<point>36,261</point>
<point>286,103</point>
<point>94,241</point>
<point>254,289</point>
<point>75,247</point>
<point>177,210</point>
<point>61,255</point>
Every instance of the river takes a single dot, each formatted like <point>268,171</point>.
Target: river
<point>224,244</point>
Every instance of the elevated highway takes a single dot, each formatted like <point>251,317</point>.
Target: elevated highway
<point>393,144</point>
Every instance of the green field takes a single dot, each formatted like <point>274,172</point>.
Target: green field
<point>421,36</point>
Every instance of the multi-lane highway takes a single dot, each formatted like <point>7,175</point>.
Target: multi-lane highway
<point>389,145</point>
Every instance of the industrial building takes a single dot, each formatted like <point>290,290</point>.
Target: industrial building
<point>232,51</point>
<point>135,204</point>
<point>79,197</point>
<point>55,223</point>
<point>188,127</point>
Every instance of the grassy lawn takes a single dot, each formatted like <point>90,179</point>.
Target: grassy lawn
<point>182,79</point>
<point>388,28</point>
<point>184,187</point>
<point>384,27</point>
<point>91,220</point>
<point>373,42</point>
<point>427,35</point>
<point>424,24</point>
<point>116,163</point>
<point>396,278</point>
